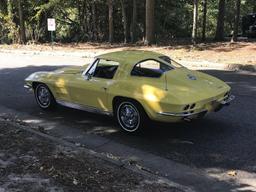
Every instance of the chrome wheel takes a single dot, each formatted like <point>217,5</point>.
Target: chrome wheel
<point>128,116</point>
<point>43,96</point>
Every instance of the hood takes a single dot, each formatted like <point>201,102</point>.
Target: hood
<point>71,70</point>
<point>193,84</point>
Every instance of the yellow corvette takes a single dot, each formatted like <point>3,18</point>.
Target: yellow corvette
<point>134,86</point>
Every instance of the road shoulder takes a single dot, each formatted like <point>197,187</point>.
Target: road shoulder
<point>52,165</point>
<point>76,56</point>
<point>174,174</point>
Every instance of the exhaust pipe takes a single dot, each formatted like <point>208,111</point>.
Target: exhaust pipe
<point>187,119</point>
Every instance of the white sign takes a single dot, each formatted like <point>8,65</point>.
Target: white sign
<point>51,25</point>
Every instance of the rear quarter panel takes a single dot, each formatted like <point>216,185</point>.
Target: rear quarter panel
<point>147,91</point>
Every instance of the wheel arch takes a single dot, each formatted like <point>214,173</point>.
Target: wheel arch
<point>52,101</point>
<point>117,99</point>
<point>36,83</point>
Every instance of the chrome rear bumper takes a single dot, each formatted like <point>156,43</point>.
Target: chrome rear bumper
<point>190,115</point>
<point>183,114</point>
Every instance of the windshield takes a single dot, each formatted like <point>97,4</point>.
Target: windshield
<point>88,67</point>
<point>170,62</point>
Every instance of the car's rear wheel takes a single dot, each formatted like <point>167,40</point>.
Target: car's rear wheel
<point>130,116</point>
<point>44,97</point>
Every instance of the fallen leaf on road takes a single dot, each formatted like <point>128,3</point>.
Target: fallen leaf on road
<point>75,182</point>
<point>232,173</point>
<point>51,169</point>
<point>177,141</point>
<point>78,144</point>
<point>41,129</point>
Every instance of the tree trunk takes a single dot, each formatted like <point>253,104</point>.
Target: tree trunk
<point>204,19</point>
<point>219,36</point>
<point>195,19</point>
<point>3,6</point>
<point>110,22</point>
<point>84,19</point>
<point>123,6</point>
<point>22,25</point>
<point>237,19</point>
<point>134,21</point>
<point>94,25</point>
<point>150,20</point>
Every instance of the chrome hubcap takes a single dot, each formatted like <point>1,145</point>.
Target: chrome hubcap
<point>43,96</point>
<point>129,117</point>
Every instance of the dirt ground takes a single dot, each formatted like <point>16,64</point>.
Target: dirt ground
<point>32,163</point>
<point>223,52</point>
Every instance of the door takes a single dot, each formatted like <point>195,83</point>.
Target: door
<point>91,89</point>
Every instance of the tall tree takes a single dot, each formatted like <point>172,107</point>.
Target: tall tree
<point>110,21</point>
<point>3,6</point>
<point>220,21</point>
<point>22,24</point>
<point>134,21</point>
<point>124,20</point>
<point>94,25</point>
<point>195,20</point>
<point>204,19</point>
<point>12,34</point>
<point>237,19</point>
<point>150,21</point>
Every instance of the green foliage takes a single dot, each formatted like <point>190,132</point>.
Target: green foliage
<point>87,20</point>
<point>172,18</point>
<point>9,32</point>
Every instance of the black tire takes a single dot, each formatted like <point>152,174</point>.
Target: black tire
<point>138,116</point>
<point>46,101</point>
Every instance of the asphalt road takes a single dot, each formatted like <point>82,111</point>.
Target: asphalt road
<point>223,140</point>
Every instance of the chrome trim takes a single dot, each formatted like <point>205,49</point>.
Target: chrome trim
<point>128,116</point>
<point>43,96</point>
<point>89,67</point>
<point>181,114</point>
<point>28,87</point>
<point>84,107</point>
<point>227,100</point>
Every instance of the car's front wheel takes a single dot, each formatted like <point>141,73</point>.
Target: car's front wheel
<point>44,97</point>
<point>130,116</point>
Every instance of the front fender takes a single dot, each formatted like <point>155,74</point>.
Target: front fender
<point>37,76</point>
<point>41,76</point>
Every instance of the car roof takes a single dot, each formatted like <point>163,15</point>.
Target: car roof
<point>130,56</point>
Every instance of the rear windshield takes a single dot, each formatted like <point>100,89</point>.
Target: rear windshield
<point>150,68</point>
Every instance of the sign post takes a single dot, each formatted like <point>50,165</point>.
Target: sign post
<point>51,25</point>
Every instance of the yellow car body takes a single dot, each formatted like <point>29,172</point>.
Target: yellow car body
<point>177,94</point>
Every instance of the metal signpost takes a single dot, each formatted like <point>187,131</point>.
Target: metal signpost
<point>51,25</point>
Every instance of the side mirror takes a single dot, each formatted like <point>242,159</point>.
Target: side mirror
<point>88,76</point>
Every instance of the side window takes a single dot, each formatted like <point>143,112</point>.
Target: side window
<point>104,69</point>
<point>170,61</point>
<point>150,68</point>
